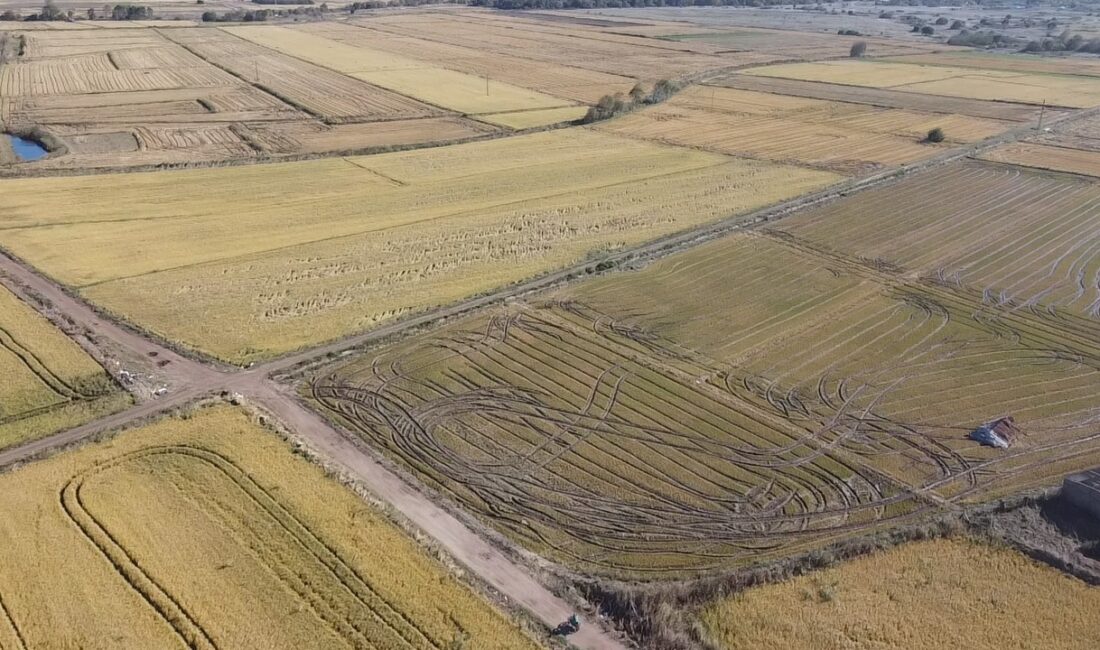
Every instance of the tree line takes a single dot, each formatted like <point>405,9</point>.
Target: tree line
<point>50,11</point>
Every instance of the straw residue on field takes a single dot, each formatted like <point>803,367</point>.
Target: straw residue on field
<point>373,238</point>
<point>206,531</point>
<point>920,596</point>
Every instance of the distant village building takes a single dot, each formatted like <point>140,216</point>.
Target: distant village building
<point>1000,433</point>
<point>1083,491</point>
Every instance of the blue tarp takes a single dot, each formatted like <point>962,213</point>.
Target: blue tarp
<point>985,435</point>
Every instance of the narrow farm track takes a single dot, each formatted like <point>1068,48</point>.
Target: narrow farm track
<point>190,379</point>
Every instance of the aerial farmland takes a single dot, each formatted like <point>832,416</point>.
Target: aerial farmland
<point>501,325</point>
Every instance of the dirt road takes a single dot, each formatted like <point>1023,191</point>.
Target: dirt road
<point>186,379</point>
<point>189,379</point>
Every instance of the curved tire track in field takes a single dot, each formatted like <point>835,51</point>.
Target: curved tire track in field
<point>532,489</point>
<point>195,379</point>
<point>5,615</point>
<point>326,560</point>
<point>189,631</point>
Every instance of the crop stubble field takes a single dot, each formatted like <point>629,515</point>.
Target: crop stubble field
<point>186,96</point>
<point>207,532</point>
<point>386,235</point>
<point>841,136</point>
<point>47,383</point>
<point>1043,156</point>
<point>987,84</point>
<point>614,427</point>
<point>920,596</point>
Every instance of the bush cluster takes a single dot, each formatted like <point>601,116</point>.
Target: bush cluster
<point>611,105</point>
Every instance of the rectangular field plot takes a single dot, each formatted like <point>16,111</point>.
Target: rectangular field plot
<point>1019,237</point>
<point>139,97</point>
<point>457,91</point>
<point>566,81</point>
<point>47,383</point>
<point>320,91</point>
<point>887,599</point>
<point>373,238</point>
<point>208,532</point>
<point>882,97</point>
<point>998,85</point>
<point>742,400</point>
<point>574,46</point>
<point>841,136</point>
<point>1078,66</point>
<point>1041,156</point>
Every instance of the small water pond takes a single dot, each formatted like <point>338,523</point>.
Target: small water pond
<point>25,150</point>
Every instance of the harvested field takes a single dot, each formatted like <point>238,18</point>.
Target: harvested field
<point>139,97</point>
<point>765,18</point>
<point>132,88</point>
<point>374,238</point>
<point>715,446</point>
<point>1022,239</point>
<point>845,137</point>
<point>920,596</point>
<point>320,91</point>
<point>208,532</point>
<point>1077,66</point>
<point>311,137</point>
<point>634,57</point>
<point>439,86</point>
<point>614,428</point>
<point>529,119</point>
<point>998,85</point>
<point>94,73</point>
<point>883,98</point>
<point>784,45</point>
<point>49,383</point>
<point>565,81</point>
<point>1041,156</point>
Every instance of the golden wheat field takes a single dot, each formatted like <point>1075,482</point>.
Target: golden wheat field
<point>374,237</point>
<point>207,532</point>
<point>986,84</point>
<point>919,596</point>
<point>47,383</point>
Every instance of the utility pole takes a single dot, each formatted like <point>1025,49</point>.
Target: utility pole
<point>1041,112</point>
<point>486,85</point>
